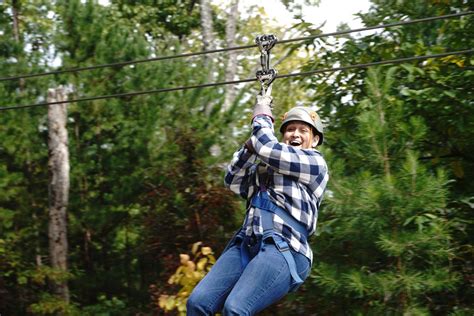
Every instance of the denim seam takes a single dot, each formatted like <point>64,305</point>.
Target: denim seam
<point>224,293</point>
<point>302,273</point>
<point>263,290</point>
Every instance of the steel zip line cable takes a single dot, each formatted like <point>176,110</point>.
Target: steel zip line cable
<point>125,63</point>
<point>307,73</point>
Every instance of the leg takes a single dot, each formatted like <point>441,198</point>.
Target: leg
<point>265,280</point>
<point>209,295</point>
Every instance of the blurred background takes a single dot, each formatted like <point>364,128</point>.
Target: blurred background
<point>144,171</point>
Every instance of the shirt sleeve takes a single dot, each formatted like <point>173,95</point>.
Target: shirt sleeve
<point>305,165</point>
<point>239,177</point>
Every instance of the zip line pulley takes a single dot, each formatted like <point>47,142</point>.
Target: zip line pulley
<point>266,75</point>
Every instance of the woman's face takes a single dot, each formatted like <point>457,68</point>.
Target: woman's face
<point>300,135</point>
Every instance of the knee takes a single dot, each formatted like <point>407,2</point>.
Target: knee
<point>232,307</point>
<point>197,304</point>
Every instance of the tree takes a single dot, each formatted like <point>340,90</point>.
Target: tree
<point>25,38</point>
<point>58,166</point>
<point>231,67</point>
<point>386,244</point>
<point>143,168</point>
<point>437,90</point>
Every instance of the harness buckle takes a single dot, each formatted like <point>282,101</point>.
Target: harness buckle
<point>282,245</point>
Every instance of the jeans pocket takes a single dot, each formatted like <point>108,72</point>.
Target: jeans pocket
<point>303,265</point>
<point>303,268</point>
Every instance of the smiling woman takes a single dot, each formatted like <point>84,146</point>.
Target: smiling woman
<point>300,135</point>
<point>283,183</point>
<point>302,127</point>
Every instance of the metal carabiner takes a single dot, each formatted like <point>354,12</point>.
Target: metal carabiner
<point>266,75</point>
<point>265,44</point>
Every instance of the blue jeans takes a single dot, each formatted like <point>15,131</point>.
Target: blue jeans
<point>236,291</point>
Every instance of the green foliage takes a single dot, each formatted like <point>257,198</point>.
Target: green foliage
<point>394,236</point>
<point>177,17</point>
<point>141,168</point>
<point>427,125</point>
<point>436,90</point>
<point>390,245</point>
<point>51,305</point>
<point>105,307</point>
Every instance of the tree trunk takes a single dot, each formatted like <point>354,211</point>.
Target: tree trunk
<point>231,68</point>
<point>208,40</point>
<point>58,187</point>
<point>16,35</point>
<point>16,21</point>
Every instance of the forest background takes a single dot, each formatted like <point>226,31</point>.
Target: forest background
<point>146,172</point>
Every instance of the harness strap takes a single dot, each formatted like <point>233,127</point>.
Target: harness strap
<point>282,245</point>
<point>262,201</point>
<point>268,208</point>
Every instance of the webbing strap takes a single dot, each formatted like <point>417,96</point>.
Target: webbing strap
<point>282,245</point>
<point>263,202</point>
<point>268,208</point>
<point>284,249</point>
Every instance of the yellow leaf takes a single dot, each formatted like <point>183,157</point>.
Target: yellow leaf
<point>183,258</point>
<point>460,63</point>
<point>201,264</point>
<point>170,304</point>
<point>187,275</point>
<point>454,59</point>
<point>212,259</point>
<point>162,300</point>
<point>191,265</point>
<point>196,246</point>
<point>206,251</point>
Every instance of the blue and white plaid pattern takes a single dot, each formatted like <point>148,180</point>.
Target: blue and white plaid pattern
<point>297,180</point>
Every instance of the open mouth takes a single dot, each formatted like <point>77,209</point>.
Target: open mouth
<point>295,143</point>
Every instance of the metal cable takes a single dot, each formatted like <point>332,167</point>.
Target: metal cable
<point>307,73</point>
<point>119,64</point>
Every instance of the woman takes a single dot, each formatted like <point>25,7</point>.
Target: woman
<point>283,183</point>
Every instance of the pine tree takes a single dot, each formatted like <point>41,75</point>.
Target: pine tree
<point>385,244</point>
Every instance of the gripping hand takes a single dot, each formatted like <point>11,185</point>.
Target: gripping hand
<point>264,104</point>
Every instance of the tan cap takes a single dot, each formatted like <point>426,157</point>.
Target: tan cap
<point>306,115</point>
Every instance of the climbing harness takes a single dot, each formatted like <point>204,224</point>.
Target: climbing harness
<point>269,209</point>
<point>266,75</point>
<point>250,245</point>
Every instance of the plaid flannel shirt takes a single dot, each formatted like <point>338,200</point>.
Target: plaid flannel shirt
<point>297,179</point>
